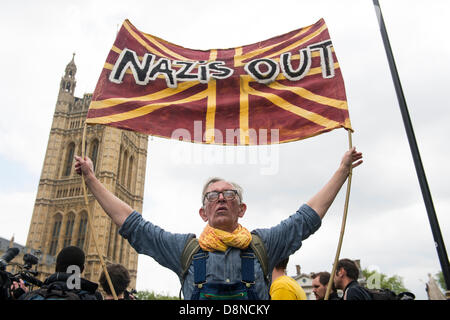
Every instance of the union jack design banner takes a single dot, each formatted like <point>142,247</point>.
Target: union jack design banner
<point>283,89</point>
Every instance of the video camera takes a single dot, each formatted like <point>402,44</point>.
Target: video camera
<point>25,273</point>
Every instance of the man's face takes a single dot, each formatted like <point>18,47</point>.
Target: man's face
<point>319,289</point>
<point>222,214</point>
<point>338,277</point>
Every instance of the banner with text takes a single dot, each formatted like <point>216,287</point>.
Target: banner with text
<point>283,89</point>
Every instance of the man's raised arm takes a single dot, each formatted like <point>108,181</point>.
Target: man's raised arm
<point>325,197</point>
<point>113,206</point>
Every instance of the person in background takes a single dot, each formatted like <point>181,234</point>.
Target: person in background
<point>320,284</point>
<point>66,283</point>
<point>346,279</point>
<point>120,279</point>
<point>284,287</point>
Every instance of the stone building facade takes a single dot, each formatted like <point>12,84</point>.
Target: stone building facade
<point>60,216</point>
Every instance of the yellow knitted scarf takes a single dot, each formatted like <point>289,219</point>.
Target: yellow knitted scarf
<point>213,239</point>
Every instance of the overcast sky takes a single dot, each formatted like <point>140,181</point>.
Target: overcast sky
<point>387,225</point>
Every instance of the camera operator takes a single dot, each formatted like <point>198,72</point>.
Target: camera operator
<point>11,287</point>
<point>5,284</point>
<point>18,289</point>
<point>64,285</point>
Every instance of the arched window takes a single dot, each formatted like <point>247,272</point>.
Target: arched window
<point>94,152</point>
<point>69,159</point>
<point>82,231</point>
<point>119,166</point>
<point>121,250</point>
<point>116,243</point>
<point>110,244</point>
<point>130,172</point>
<point>57,220</point>
<point>124,167</point>
<point>69,229</point>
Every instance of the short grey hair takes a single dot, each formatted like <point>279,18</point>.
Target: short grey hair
<point>210,181</point>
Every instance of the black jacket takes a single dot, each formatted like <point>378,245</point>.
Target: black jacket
<point>354,291</point>
<point>59,281</point>
<point>334,296</point>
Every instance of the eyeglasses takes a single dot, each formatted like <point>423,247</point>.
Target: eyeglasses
<point>214,195</point>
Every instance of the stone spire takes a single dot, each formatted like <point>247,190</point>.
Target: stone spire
<point>68,81</point>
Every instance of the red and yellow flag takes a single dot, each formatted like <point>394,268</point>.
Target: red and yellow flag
<point>283,89</point>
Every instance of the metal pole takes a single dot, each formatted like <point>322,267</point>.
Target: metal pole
<point>439,242</point>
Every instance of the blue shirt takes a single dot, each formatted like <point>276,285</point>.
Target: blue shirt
<point>166,248</point>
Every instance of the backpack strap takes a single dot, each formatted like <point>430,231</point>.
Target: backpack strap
<point>259,249</point>
<point>200,268</point>
<point>191,248</point>
<point>247,267</point>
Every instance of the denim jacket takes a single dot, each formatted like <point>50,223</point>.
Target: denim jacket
<point>165,247</point>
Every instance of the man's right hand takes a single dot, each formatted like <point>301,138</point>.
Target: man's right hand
<point>113,206</point>
<point>84,166</point>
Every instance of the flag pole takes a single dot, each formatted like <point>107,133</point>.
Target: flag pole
<point>426,194</point>
<point>344,220</point>
<point>91,227</point>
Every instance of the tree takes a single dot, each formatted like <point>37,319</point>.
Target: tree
<point>151,295</point>
<point>440,280</point>
<point>376,280</point>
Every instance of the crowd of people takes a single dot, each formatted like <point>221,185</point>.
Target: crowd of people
<point>63,283</point>
<point>68,284</point>
<point>227,261</point>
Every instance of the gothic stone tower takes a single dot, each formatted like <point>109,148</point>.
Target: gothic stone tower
<point>60,217</point>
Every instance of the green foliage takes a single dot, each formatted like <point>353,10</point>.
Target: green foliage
<point>151,295</point>
<point>440,280</point>
<point>377,280</point>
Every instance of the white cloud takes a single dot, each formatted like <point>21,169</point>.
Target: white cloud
<point>15,219</point>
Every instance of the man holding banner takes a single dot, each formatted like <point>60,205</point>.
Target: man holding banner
<point>223,237</point>
<point>280,90</point>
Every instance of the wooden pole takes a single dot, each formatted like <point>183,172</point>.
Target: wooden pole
<point>91,227</point>
<point>344,220</point>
